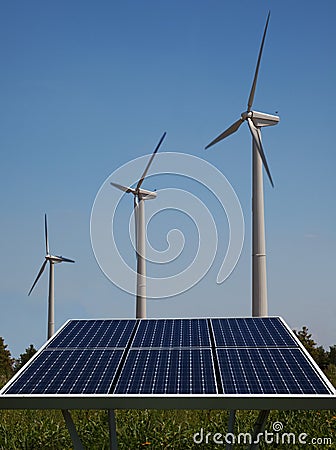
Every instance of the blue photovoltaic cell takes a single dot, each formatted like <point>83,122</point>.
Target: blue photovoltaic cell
<point>69,372</point>
<point>251,332</point>
<point>94,334</point>
<point>167,372</point>
<point>268,371</point>
<point>171,333</point>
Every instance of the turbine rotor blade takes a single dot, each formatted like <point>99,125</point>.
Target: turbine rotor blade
<point>232,129</point>
<point>46,234</point>
<point>143,176</point>
<point>254,84</point>
<point>65,259</point>
<point>123,188</point>
<point>38,276</point>
<point>256,137</point>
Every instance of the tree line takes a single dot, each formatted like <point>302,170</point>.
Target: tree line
<point>325,359</point>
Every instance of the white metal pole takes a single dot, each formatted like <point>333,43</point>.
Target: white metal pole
<point>141,261</point>
<point>51,322</point>
<point>259,282</point>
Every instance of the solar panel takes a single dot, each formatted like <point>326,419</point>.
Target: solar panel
<point>252,332</point>
<point>87,371</point>
<point>172,333</point>
<point>94,333</point>
<point>185,358</point>
<point>268,371</point>
<point>167,371</point>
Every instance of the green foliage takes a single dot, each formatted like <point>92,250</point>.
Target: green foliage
<point>307,341</point>
<point>6,363</point>
<point>332,355</point>
<point>24,357</point>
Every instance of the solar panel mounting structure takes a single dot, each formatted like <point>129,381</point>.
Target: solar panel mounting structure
<point>202,363</point>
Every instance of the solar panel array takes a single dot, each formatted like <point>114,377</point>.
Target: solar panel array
<point>171,356</point>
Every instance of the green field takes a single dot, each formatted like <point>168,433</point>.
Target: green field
<point>156,429</point>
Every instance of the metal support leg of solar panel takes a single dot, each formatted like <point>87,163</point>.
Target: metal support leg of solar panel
<point>212,363</point>
<point>76,439</point>
<point>72,430</point>
<point>259,428</point>
<point>113,430</point>
<point>231,424</point>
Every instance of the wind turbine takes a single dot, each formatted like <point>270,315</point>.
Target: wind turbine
<point>256,120</point>
<point>52,260</point>
<point>140,195</point>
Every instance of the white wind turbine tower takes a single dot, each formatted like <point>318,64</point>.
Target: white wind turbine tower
<point>256,120</point>
<point>140,195</point>
<point>52,260</point>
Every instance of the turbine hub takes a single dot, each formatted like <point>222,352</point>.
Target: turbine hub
<point>247,114</point>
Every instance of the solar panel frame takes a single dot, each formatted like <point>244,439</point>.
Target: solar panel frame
<point>169,401</point>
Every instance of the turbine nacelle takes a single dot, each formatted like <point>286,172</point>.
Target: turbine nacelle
<point>57,259</point>
<point>260,119</point>
<point>146,195</point>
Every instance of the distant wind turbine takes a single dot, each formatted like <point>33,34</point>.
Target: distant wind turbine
<point>52,260</point>
<point>140,195</point>
<point>256,120</point>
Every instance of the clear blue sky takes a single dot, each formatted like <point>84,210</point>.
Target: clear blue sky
<point>88,86</point>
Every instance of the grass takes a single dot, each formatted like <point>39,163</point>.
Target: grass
<point>153,429</point>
